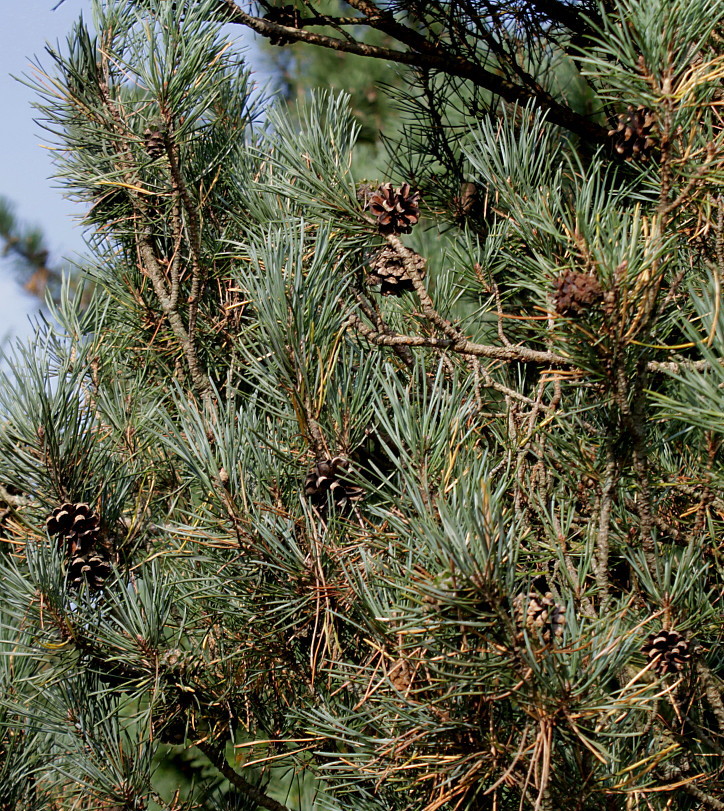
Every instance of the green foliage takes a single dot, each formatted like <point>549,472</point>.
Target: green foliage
<point>366,551</point>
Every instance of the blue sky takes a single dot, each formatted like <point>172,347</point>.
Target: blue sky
<point>25,165</point>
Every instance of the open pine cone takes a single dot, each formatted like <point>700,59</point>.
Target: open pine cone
<point>669,651</point>
<point>387,268</point>
<point>634,133</point>
<point>541,614</point>
<point>327,476</point>
<point>286,15</point>
<point>396,210</point>
<point>575,292</point>
<point>76,525</point>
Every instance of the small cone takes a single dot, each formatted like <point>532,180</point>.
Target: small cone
<point>633,135</point>
<point>76,525</point>
<point>155,142</point>
<point>468,202</point>
<point>669,651</point>
<point>396,210</point>
<point>327,477</point>
<point>92,568</point>
<point>575,293</point>
<point>541,614</point>
<point>388,269</point>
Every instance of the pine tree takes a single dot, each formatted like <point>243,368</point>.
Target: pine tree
<point>26,246</point>
<point>394,495</point>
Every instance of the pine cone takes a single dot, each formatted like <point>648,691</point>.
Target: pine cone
<point>575,292</point>
<point>541,614</point>
<point>387,268</point>
<point>365,190</point>
<point>286,15</point>
<point>634,133</point>
<point>669,650</point>
<point>92,568</point>
<point>155,142</point>
<point>327,476</point>
<point>76,525</point>
<point>396,210</point>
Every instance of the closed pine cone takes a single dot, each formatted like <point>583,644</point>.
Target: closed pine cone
<point>286,15</point>
<point>396,210</point>
<point>154,141</point>
<point>575,292</point>
<point>669,651</point>
<point>92,568</point>
<point>634,133</point>
<point>387,268</point>
<point>541,614</point>
<point>76,525</point>
<point>327,476</point>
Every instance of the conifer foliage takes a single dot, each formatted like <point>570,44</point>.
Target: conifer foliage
<point>323,547</point>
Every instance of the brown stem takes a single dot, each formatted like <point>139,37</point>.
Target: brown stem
<point>194,226</point>
<point>403,352</point>
<point>670,771</point>
<point>462,346</point>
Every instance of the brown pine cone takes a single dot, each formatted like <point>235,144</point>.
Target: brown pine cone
<point>396,210</point>
<point>576,292</point>
<point>92,568</point>
<point>541,614</point>
<point>155,142</point>
<point>327,477</point>
<point>634,133</point>
<point>388,269</point>
<point>669,651</point>
<point>286,15</point>
<point>75,525</point>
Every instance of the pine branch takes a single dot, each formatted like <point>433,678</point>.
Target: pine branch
<point>168,299</point>
<point>217,756</point>
<point>28,246</point>
<point>461,346</point>
<point>425,54</point>
<point>708,801</point>
<point>604,526</point>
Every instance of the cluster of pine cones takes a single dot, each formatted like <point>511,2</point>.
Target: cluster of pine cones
<point>396,211</point>
<point>78,531</point>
